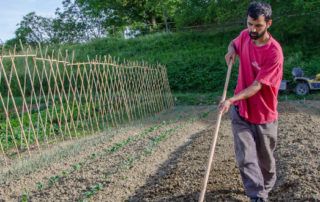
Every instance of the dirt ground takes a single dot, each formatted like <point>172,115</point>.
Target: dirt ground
<point>164,159</point>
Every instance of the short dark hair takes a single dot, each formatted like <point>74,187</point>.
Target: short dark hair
<point>259,8</point>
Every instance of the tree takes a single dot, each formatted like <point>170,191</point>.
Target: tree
<point>191,12</point>
<point>120,13</point>
<point>34,29</point>
<point>74,24</point>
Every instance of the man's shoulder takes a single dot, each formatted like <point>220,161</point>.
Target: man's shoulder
<point>275,50</point>
<point>244,33</point>
<point>275,45</point>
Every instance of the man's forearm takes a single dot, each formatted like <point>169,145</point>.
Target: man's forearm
<point>231,47</point>
<point>246,93</point>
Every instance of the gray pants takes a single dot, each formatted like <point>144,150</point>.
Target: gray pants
<point>254,147</point>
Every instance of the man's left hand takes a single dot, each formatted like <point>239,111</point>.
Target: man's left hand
<point>224,106</point>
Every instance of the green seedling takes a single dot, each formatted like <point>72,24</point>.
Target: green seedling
<point>119,145</point>
<point>53,180</point>
<point>65,173</point>
<point>125,177</point>
<point>94,155</point>
<point>25,197</point>
<point>93,190</point>
<point>76,166</point>
<point>129,162</point>
<point>39,186</point>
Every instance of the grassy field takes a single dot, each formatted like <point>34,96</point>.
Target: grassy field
<point>214,98</point>
<point>195,60</point>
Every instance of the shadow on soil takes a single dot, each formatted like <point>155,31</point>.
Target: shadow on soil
<point>159,188</point>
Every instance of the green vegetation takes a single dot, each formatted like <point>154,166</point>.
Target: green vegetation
<point>93,190</point>
<point>54,179</point>
<point>195,60</point>
<point>25,197</point>
<point>39,186</point>
<point>76,166</point>
<point>194,56</point>
<point>119,145</point>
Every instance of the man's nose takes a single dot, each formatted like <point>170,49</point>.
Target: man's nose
<point>253,29</point>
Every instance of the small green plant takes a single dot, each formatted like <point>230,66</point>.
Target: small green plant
<point>76,166</point>
<point>156,140</point>
<point>25,196</point>
<point>117,146</point>
<point>125,177</point>
<point>39,186</point>
<point>93,156</point>
<point>53,180</point>
<point>92,190</point>
<point>64,173</point>
<point>129,161</point>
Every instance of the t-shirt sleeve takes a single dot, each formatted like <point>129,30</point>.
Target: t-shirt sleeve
<point>271,73</point>
<point>237,42</point>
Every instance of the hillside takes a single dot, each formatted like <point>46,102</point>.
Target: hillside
<point>195,60</point>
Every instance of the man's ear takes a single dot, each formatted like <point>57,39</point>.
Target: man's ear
<point>269,23</point>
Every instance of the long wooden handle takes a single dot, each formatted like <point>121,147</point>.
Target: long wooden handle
<point>213,146</point>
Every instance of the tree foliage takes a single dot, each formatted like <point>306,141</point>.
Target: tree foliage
<point>34,29</point>
<point>82,20</point>
<point>74,24</point>
<point>120,13</point>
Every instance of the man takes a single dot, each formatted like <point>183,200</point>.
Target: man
<point>254,112</point>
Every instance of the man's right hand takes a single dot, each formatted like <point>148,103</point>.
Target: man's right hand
<point>231,54</point>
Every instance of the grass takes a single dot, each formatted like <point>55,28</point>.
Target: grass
<point>198,98</point>
<point>314,95</point>
<point>214,98</point>
<point>195,60</point>
<point>45,131</point>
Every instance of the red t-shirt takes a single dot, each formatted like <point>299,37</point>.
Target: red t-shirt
<point>265,65</point>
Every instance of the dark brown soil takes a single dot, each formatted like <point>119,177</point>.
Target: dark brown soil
<point>164,160</point>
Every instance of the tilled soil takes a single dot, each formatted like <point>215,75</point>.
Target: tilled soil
<point>164,160</point>
<point>297,157</point>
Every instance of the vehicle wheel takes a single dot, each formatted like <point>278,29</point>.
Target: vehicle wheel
<point>302,89</point>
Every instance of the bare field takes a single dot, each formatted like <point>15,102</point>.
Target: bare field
<point>164,158</point>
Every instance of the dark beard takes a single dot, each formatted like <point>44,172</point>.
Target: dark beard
<point>255,35</point>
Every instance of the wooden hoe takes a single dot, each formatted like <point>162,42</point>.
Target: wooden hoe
<point>213,145</point>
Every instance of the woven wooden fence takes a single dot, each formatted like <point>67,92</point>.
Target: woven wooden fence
<point>50,98</point>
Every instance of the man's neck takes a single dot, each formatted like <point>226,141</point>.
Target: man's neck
<point>262,40</point>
